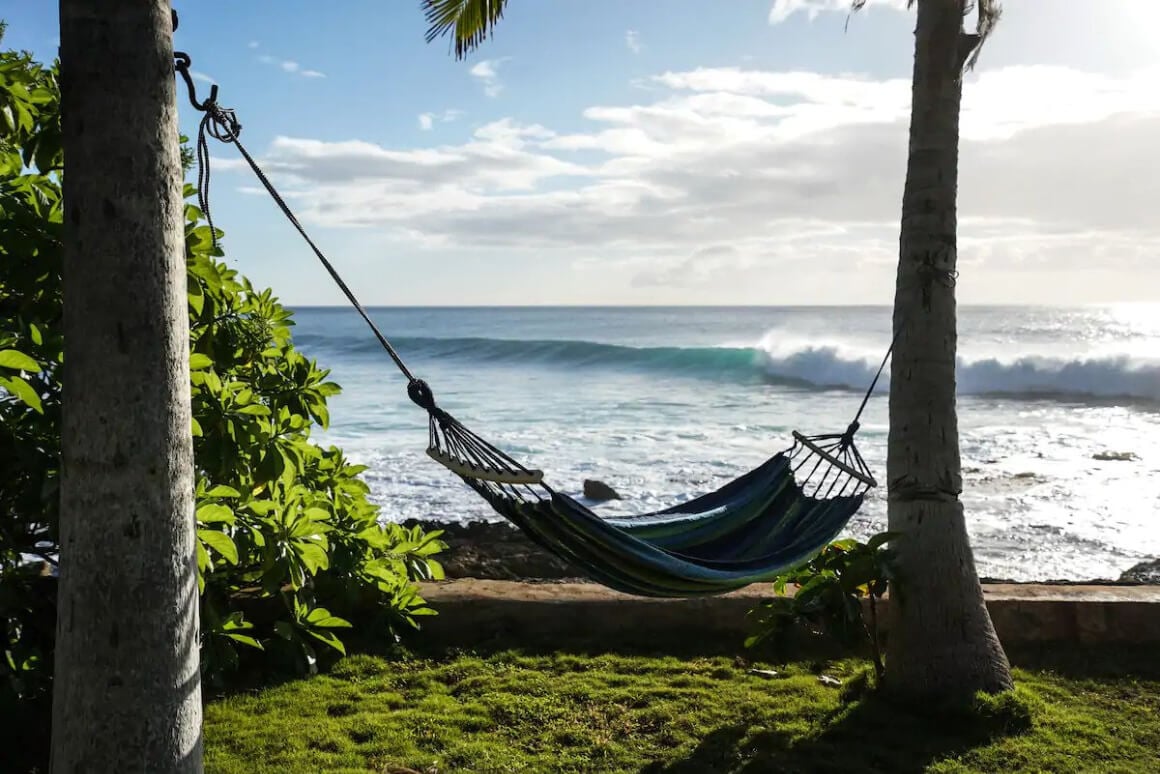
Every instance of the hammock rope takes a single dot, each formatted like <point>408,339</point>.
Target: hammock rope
<point>772,517</point>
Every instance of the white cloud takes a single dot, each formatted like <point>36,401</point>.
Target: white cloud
<point>290,66</point>
<point>721,174</point>
<point>783,9</point>
<point>427,120</point>
<point>632,40</point>
<point>487,73</point>
<point>253,44</point>
<point>200,76</point>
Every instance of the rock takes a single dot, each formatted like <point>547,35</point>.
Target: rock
<point>495,551</point>
<point>598,490</point>
<point>763,672</point>
<point>830,681</point>
<point>1111,456</point>
<point>1144,572</point>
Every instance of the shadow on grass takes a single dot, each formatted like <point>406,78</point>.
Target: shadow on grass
<point>1088,662</point>
<point>868,737</point>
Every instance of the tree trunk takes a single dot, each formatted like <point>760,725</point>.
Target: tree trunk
<point>127,690</point>
<point>941,647</point>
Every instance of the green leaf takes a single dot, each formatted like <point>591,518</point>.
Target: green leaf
<point>245,639</point>
<point>196,298</point>
<point>322,618</point>
<point>313,556</point>
<point>17,361</point>
<point>328,638</point>
<point>24,391</point>
<point>220,542</point>
<point>203,561</point>
<point>35,334</point>
<point>221,490</point>
<point>199,362</point>
<point>317,514</point>
<point>212,513</point>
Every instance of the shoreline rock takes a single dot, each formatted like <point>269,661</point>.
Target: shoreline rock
<point>599,491</point>
<point>494,550</point>
<point>1144,572</point>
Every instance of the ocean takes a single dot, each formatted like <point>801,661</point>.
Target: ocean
<point>1059,411</point>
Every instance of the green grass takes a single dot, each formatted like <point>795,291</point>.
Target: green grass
<point>556,713</point>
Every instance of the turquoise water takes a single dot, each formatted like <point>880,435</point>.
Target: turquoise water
<point>665,403</point>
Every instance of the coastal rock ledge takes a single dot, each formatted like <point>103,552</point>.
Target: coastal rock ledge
<point>1144,572</point>
<point>494,550</point>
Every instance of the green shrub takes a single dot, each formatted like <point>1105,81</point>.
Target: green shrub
<point>288,541</point>
<point>829,589</point>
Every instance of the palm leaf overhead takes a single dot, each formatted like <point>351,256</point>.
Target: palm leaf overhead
<point>988,17</point>
<point>470,22</point>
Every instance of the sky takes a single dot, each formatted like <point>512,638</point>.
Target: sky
<point>668,151</point>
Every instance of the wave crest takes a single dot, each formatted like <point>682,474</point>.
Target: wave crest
<point>782,359</point>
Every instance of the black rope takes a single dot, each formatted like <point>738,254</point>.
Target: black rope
<point>930,275</point>
<point>870,391</point>
<point>222,125</point>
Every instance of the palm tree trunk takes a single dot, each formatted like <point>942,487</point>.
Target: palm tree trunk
<point>127,690</point>
<point>941,645</point>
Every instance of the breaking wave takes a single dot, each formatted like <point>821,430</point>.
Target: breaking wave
<point>801,364</point>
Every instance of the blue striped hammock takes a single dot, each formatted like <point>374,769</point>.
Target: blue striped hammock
<point>774,517</point>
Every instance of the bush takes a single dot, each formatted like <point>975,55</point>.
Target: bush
<point>828,596</point>
<point>288,542</point>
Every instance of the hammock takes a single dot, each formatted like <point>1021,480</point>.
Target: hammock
<point>774,517</point>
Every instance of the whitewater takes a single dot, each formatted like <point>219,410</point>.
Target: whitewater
<point>1059,411</point>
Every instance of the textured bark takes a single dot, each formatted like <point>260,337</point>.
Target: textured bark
<point>942,646</point>
<point>127,695</point>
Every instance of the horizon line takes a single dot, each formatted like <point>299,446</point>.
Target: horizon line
<point>993,304</point>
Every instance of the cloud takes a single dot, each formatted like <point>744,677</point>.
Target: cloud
<point>783,9</point>
<point>290,66</point>
<point>632,40</point>
<point>200,76</point>
<point>718,176</point>
<point>427,120</point>
<point>487,73</point>
<point>253,44</point>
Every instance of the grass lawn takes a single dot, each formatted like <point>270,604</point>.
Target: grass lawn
<point>507,711</point>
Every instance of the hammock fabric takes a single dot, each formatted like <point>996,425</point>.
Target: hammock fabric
<point>771,518</point>
<point>774,517</point>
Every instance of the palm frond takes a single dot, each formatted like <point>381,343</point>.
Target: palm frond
<point>470,22</point>
<point>989,13</point>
